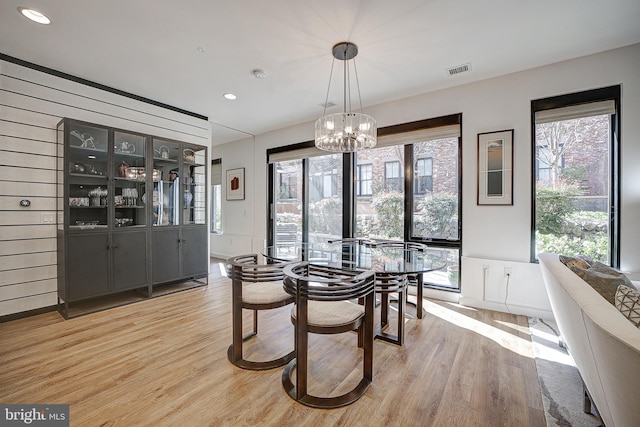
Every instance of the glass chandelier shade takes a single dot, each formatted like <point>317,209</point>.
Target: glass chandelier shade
<point>346,131</point>
<point>342,132</point>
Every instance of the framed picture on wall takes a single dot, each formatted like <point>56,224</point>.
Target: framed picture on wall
<point>495,168</point>
<point>235,184</point>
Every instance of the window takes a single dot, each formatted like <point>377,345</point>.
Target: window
<point>325,205</point>
<point>364,180</point>
<point>216,196</point>
<point>288,202</point>
<point>424,176</point>
<point>288,185</point>
<point>324,183</point>
<point>576,175</point>
<point>392,176</point>
<point>381,216</point>
<point>363,194</point>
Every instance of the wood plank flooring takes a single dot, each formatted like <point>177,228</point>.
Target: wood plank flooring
<point>163,362</point>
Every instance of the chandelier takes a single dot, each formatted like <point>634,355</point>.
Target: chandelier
<point>346,131</point>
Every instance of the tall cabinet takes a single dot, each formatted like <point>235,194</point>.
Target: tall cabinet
<point>132,215</point>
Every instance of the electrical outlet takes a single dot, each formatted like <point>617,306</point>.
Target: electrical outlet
<point>507,271</point>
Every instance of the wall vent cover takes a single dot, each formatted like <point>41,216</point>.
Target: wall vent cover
<point>459,69</point>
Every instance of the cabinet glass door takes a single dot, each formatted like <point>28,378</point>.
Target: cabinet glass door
<point>87,176</point>
<point>129,177</point>
<point>194,185</point>
<point>166,189</point>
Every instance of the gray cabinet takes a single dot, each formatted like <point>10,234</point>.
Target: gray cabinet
<point>125,223</point>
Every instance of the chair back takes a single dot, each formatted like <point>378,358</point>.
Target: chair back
<point>390,282</point>
<point>410,246</point>
<point>320,283</point>
<point>245,268</point>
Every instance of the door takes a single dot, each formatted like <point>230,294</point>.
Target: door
<point>129,252</point>
<point>166,255</point>
<point>194,252</point>
<point>88,265</point>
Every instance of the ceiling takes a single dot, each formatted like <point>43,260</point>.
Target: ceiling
<point>188,53</point>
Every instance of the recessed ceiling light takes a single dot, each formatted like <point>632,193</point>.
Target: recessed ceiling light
<point>229,96</point>
<point>200,49</point>
<point>34,15</point>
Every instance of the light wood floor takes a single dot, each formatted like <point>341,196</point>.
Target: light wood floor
<point>163,362</point>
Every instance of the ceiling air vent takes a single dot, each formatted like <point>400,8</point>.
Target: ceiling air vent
<point>459,69</point>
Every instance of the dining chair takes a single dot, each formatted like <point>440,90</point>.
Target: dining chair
<point>325,304</point>
<point>413,280</point>
<point>255,287</point>
<point>385,285</point>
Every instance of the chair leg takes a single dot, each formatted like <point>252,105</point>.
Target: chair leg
<point>368,338</point>
<point>419,292</point>
<point>384,309</point>
<point>235,353</point>
<point>402,306</point>
<point>302,347</point>
<point>236,350</point>
<point>255,322</point>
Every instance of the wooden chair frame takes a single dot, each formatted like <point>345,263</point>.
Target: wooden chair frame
<point>245,268</point>
<point>412,279</point>
<point>385,285</point>
<point>314,283</point>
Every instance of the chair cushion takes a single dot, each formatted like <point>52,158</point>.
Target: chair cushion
<point>264,293</point>
<point>333,313</point>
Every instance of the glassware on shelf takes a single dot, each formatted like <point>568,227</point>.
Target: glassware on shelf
<point>98,196</point>
<point>130,196</point>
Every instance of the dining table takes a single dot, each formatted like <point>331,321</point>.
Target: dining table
<point>361,254</point>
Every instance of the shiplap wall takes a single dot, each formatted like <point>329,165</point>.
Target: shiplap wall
<point>31,105</point>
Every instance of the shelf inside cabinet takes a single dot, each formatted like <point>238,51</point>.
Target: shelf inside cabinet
<point>88,227</point>
<point>120,154</point>
<point>86,149</point>
<point>163,160</point>
<point>87,175</point>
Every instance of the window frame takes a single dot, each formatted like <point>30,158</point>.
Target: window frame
<point>417,178</point>
<point>396,180</point>
<point>611,93</point>
<point>359,180</point>
<point>305,150</point>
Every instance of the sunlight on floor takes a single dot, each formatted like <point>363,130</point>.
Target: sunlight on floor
<point>507,340</point>
<point>546,346</point>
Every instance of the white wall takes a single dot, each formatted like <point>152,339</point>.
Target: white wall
<point>32,104</point>
<point>493,236</point>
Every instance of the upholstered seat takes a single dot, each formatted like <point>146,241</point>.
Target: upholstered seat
<point>323,306</point>
<point>332,313</point>
<point>254,287</point>
<point>264,293</point>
